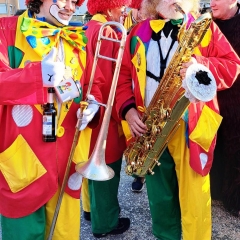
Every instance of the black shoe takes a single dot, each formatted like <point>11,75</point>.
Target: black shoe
<point>87,216</point>
<point>137,184</point>
<point>123,226</point>
<point>235,213</point>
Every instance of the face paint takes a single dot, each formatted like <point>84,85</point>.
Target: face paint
<point>60,14</point>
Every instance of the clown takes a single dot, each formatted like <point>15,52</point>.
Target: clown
<point>104,206</point>
<point>179,191</point>
<point>134,16</point>
<point>33,58</point>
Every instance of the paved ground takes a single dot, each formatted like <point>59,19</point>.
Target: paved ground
<point>135,206</point>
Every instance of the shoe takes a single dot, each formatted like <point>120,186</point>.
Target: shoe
<point>87,216</point>
<point>123,226</point>
<point>137,184</point>
<point>235,213</point>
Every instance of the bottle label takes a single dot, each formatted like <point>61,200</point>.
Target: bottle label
<point>47,125</point>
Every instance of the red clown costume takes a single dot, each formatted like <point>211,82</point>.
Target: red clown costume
<point>179,191</point>
<point>100,206</point>
<point>31,171</point>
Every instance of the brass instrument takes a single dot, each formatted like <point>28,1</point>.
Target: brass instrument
<point>95,168</point>
<point>167,105</point>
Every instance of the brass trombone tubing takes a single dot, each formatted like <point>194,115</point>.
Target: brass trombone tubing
<point>95,168</point>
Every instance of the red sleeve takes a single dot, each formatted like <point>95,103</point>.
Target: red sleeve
<point>18,86</point>
<point>220,58</point>
<point>105,68</point>
<point>124,90</point>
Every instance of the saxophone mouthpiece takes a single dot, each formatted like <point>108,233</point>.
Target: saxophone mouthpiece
<point>179,9</point>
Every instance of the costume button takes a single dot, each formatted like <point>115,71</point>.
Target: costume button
<point>60,131</point>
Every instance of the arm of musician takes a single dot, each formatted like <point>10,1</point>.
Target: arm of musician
<point>220,58</point>
<point>137,127</point>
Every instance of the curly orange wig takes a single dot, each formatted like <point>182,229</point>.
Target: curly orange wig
<point>136,4</point>
<point>95,6</point>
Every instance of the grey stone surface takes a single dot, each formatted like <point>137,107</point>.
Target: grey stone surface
<point>135,206</point>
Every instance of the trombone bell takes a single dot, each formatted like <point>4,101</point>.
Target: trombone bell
<point>95,172</point>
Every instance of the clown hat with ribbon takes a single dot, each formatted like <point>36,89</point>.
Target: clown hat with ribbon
<point>136,4</point>
<point>79,2</point>
<point>95,6</point>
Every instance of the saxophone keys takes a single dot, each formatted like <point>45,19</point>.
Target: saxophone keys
<point>147,146</point>
<point>151,171</point>
<point>157,162</point>
<point>129,170</point>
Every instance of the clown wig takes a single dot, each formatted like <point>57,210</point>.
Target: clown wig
<point>100,6</point>
<point>136,4</point>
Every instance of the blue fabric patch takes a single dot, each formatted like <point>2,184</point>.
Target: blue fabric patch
<point>32,41</point>
<point>45,40</point>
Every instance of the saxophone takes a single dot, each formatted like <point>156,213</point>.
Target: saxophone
<point>163,114</point>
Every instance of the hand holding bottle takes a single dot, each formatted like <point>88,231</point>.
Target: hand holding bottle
<point>52,71</point>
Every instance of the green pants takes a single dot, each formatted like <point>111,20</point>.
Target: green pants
<point>31,227</point>
<point>162,189</point>
<point>104,201</point>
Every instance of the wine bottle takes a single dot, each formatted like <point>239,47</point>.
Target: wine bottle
<point>49,118</point>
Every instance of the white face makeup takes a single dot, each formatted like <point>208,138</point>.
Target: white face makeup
<point>58,12</point>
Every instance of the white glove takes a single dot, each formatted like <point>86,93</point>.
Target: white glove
<point>88,113</point>
<point>52,72</point>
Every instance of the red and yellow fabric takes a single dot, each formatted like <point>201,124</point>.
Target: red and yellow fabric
<point>215,54</point>
<point>41,165</point>
<point>139,40</point>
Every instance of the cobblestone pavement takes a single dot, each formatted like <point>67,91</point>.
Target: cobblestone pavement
<point>135,206</point>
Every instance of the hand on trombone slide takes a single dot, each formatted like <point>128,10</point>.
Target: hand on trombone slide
<point>86,114</point>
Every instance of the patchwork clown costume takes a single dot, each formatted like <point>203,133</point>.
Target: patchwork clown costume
<point>32,171</point>
<point>179,191</point>
<point>103,195</point>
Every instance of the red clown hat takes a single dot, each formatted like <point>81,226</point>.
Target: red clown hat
<point>79,2</point>
<point>136,4</point>
<point>95,6</point>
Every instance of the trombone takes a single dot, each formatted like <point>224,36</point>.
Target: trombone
<point>95,168</point>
